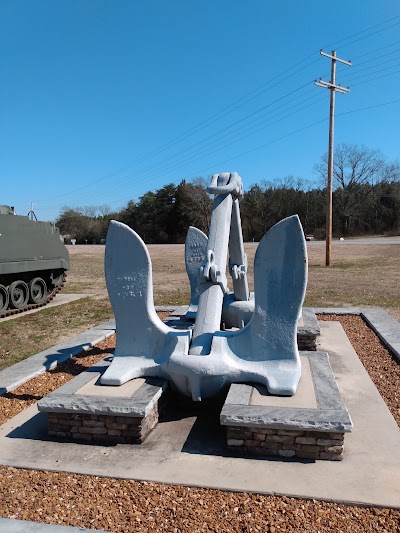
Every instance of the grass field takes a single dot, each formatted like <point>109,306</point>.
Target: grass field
<point>360,275</point>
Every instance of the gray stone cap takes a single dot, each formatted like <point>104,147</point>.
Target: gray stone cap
<point>311,327</point>
<point>166,308</point>
<point>9,525</point>
<point>64,399</point>
<point>331,414</point>
<point>337,310</point>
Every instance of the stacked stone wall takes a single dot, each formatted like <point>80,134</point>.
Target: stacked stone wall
<point>307,342</point>
<point>286,443</point>
<point>101,428</point>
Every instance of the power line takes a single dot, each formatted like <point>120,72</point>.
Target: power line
<point>336,43</point>
<point>197,128</point>
<point>369,60</point>
<point>199,171</point>
<point>376,77</point>
<point>114,187</point>
<point>225,111</point>
<point>370,68</point>
<point>376,32</point>
<point>376,58</point>
<point>208,153</point>
<point>154,166</point>
<point>284,137</point>
<point>269,143</point>
<point>368,107</point>
<point>376,50</point>
<point>173,165</point>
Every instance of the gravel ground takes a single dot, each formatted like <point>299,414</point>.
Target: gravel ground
<point>383,368</point>
<point>32,391</point>
<point>129,506</point>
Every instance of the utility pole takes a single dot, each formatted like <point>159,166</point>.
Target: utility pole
<point>333,88</point>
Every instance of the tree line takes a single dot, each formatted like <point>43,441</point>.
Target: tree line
<point>366,200</point>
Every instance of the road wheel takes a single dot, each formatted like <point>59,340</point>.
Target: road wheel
<point>4,298</point>
<point>19,294</point>
<point>37,291</point>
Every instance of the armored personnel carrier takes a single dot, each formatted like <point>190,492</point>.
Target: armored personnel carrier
<point>33,262</point>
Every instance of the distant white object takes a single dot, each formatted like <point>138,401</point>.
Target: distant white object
<point>73,242</point>
<point>310,238</point>
<point>341,239</point>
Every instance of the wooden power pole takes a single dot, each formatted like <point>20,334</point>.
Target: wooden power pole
<point>333,88</point>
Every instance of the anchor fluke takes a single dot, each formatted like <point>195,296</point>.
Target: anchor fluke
<point>144,342</point>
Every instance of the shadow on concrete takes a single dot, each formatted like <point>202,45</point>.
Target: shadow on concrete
<point>207,436</point>
<point>33,429</point>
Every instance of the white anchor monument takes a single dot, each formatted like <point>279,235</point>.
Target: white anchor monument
<point>201,362</point>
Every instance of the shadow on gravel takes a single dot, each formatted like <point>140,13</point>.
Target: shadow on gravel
<point>72,366</point>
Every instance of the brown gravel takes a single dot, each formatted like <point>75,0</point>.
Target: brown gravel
<point>381,365</point>
<point>128,506</point>
<point>32,391</point>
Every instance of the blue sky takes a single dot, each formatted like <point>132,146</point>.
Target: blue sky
<point>103,100</point>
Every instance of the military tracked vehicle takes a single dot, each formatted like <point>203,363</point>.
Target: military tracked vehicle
<point>33,262</point>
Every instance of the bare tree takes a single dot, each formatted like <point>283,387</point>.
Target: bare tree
<point>195,203</point>
<point>357,169</point>
<point>104,210</point>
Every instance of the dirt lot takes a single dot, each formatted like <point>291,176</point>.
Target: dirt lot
<point>360,275</point>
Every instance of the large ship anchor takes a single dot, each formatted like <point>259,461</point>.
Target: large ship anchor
<point>201,362</point>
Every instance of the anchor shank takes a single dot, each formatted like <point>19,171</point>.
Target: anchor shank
<point>237,256</point>
<point>209,310</point>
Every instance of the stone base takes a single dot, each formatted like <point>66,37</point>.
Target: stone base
<point>308,330</point>
<point>286,443</point>
<point>83,410</point>
<point>311,424</point>
<point>101,428</point>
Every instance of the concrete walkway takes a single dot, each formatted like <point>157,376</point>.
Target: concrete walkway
<point>14,376</point>
<point>188,448</point>
<point>379,320</point>
<point>60,299</point>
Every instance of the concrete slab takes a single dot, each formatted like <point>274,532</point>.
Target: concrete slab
<point>60,299</point>
<point>24,526</point>
<point>189,447</point>
<point>304,398</point>
<point>95,388</point>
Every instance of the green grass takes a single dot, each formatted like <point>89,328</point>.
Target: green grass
<point>30,334</point>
